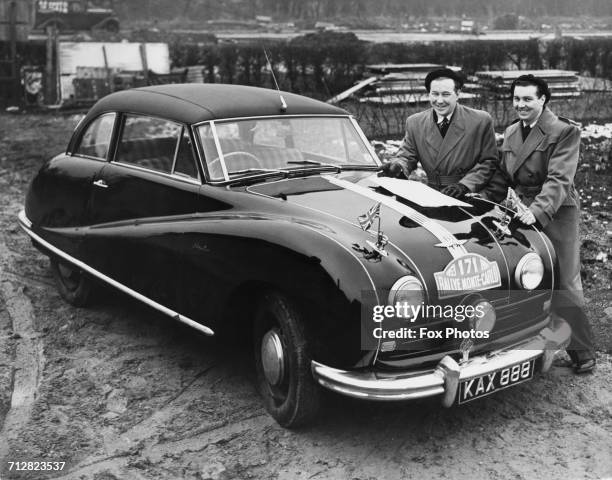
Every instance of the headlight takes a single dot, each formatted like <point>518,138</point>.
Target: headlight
<point>529,271</point>
<point>485,316</point>
<point>407,290</point>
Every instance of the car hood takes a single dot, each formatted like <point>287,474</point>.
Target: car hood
<point>426,239</point>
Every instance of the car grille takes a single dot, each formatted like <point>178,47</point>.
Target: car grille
<point>515,321</point>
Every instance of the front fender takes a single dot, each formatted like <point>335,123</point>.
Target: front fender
<point>314,265</point>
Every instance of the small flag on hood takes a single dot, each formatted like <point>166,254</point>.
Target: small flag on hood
<point>366,220</point>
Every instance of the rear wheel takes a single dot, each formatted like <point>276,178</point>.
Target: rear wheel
<point>72,284</point>
<point>282,359</point>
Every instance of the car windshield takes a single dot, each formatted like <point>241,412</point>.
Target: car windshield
<point>233,149</point>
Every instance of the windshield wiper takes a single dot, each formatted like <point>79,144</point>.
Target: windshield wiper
<point>257,170</point>
<point>315,163</point>
<point>340,168</point>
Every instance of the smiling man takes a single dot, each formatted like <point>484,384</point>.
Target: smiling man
<point>539,159</point>
<point>455,144</point>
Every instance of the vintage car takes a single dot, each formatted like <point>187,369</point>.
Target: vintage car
<point>239,209</point>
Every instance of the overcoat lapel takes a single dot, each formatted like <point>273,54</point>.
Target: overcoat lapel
<point>433,138</point>
<point>513,142</point>
<point>525,149</point>
<point>455,133</point>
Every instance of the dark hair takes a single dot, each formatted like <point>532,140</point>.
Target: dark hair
<point>444,73</point>
<point>539,83</point>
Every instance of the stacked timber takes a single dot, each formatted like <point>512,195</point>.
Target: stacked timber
<point>562,83</point>
<point>397,83</point>
<point>393,84</point>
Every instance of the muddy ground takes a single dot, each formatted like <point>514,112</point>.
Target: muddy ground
<point>118,391</point>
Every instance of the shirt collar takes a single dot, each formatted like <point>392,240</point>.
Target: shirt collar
<point>439,119</point>
<point>533,124</point>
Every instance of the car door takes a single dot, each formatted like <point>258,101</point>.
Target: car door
<point>62,190</point>
<point>140,204</point>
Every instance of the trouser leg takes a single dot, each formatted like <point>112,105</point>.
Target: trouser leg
<point>581,343</point>
<point>568,300</point>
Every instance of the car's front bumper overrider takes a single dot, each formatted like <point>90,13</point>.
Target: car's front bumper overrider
<point>444,379</point>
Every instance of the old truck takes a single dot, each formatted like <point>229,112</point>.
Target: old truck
<point>75,15</point>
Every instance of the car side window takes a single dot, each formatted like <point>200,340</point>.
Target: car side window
<point>148,142</point>
<point>96,139</point>
<point>185,163</point>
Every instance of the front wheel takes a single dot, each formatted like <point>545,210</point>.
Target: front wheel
<point>72,284</point>
<point>282,360</point>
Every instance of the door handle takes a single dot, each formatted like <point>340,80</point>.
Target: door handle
<point>100,183</point>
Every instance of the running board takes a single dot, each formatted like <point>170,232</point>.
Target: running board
<point>25,223</point>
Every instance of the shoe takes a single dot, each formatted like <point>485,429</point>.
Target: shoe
<point>563,362</point>
<point>562,359</point>
<point>585,365</point>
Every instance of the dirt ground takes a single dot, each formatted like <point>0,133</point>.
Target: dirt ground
<point>118,391</point>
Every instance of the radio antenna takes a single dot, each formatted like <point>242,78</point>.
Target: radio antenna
<point>283,103</point>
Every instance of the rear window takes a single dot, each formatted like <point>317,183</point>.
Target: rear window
<point>96,139</point>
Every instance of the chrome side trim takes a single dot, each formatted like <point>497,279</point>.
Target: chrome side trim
<point>173,176</point>
<point>25,223</point>
<point>445,377</point>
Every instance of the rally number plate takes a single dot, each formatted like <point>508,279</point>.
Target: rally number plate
<point>484,385</point>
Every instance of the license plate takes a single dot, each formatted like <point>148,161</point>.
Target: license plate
<point>484,385</point>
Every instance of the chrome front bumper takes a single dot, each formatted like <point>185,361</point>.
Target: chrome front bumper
<point>445,377</point>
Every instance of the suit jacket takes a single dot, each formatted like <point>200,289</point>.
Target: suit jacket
<point>542,168</point>
<point>467,152</point>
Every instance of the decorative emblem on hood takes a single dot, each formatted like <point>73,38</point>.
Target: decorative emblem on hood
<point>512,202</point>
<point>365,222</point>
<point>451,242</point>
<point>465,347</point>
<point>502,227</point>
<point>367,219</point>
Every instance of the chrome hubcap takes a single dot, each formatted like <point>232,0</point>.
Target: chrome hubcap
<point>272,357</point>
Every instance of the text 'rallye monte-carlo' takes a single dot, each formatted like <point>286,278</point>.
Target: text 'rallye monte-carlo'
<point>231,206</point>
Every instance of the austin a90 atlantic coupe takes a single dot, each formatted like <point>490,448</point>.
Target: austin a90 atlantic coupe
<point>233,208</point>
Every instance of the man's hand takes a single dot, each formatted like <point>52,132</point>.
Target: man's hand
<point>392,169</point>
<point>527,217</point>
<point>455,190</point>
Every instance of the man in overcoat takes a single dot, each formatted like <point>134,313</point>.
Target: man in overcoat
<point>455,144</point>
<point>539,159</point>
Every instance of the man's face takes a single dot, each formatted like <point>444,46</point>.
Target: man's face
<point>443,96</point>
<point>527,103</point>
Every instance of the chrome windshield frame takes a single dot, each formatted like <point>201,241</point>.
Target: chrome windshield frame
<point>213,127</point>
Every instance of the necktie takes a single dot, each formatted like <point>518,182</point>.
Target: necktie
<point>443,125</point>
<point>525,129</point>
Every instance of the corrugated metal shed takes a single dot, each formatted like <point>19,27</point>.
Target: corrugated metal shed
<point>121,56</point>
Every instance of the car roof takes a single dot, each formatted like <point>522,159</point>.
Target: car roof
<point>198,102</point>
